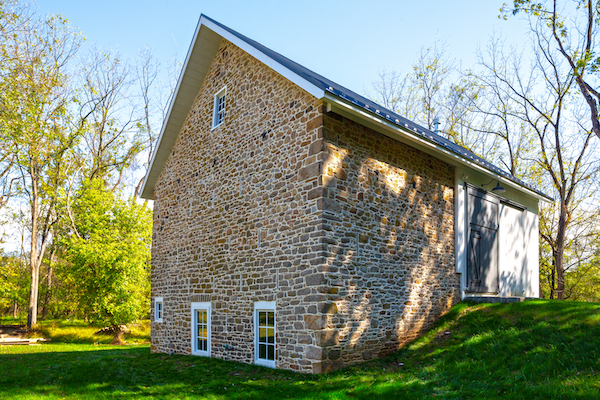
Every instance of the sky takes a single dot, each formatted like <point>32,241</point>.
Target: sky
<point>347,41</point>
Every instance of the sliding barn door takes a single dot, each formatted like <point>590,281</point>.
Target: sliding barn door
<point>482,264</point>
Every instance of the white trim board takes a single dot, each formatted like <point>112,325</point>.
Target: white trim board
<point>193,308</point>
<point>264,306</point>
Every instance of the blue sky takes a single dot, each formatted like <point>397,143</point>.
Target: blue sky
<point>346,41</point>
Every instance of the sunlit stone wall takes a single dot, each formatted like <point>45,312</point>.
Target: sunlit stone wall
<point>389,236</point>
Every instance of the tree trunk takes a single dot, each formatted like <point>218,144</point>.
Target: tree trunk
<point>560,253</point>
<point>49,284</point>
<point>33,255</point>
<point>553,275</point>
<point>33,293</point>
<point>118,331</point>
<point>37,250</point>
<point>15,309</point>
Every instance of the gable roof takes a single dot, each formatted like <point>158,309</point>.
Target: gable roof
<point>205,44</point>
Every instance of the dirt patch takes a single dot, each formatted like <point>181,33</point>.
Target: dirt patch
<point>17,331</point>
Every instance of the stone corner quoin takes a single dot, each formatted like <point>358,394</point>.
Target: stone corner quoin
<point>349,232</point>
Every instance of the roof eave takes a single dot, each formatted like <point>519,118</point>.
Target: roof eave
<point>147,191</point>
<point>334,102</point>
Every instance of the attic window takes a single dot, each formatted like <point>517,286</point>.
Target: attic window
<point>219,108</point>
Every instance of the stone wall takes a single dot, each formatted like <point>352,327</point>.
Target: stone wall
<point>237,218</point>
<point>389,234</point>
<point>283,202</point>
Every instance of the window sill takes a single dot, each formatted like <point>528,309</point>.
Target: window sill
<point>265,363</point>
<point>216,126</point>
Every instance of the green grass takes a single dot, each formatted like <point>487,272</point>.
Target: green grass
<point>78,331</point>
<point>81,332</point>
<point>532,350</point>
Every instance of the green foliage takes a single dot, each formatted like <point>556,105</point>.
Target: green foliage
<point>13,282</point>
<point>109,255</point>
<point>65,118</point>
<point>530,350</point>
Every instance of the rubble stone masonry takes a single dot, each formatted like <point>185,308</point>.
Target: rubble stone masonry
<point>284,202</point>
<point>388,223</point>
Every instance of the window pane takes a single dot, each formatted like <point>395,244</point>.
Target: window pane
<point>200,329</point>
<point>262,318</point>
<point>262,335</point>
<point>271,316</point>
<point>271,336</point>
<point>270,352</point>
<point>262,351</point>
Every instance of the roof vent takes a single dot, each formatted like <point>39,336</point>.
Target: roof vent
<point>436,125</point>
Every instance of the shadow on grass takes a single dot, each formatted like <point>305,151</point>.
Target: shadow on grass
<point>530,350</point>
<point>132,373</point>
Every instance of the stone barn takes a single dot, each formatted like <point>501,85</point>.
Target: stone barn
<point>299,225</point>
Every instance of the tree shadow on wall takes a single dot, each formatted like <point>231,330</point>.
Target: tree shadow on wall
<point>388,217</point>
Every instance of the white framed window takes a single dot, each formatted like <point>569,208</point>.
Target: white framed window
<point>201,329</point>
<point>219,107</point>
<point>265,349</point>
<point>158,309</point>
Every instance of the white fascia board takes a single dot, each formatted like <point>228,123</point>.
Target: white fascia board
<point>262,57</point>
<point>406,133</point>
<point>148,192</point>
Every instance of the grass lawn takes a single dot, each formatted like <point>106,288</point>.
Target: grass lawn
<point>77,331</point>
<point>537,349</point>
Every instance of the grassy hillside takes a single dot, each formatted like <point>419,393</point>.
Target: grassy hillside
<point>537,349</point>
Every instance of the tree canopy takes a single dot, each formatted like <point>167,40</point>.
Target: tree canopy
<point>109,255</point>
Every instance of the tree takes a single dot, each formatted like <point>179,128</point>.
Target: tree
<point>34,102</point>
<point>154,107</point>
<point>493,116</point>
<point>540,103</point>
<point>576,45</point>
<point>64,121</point>
<point>109,254</point>
<point>108,115</point>
<point>434,90</point>
<point>421,94</point>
